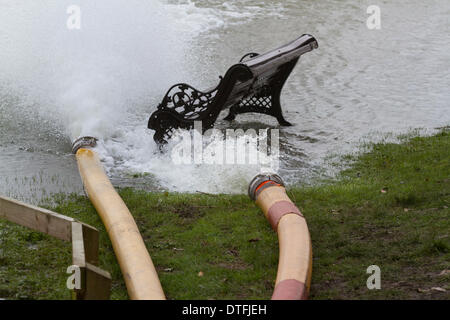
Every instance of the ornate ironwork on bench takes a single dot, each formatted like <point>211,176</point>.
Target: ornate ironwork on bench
<point>252,85</point>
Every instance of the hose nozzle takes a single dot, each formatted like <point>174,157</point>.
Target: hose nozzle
<point>261,181</point>
<point>83,142</point>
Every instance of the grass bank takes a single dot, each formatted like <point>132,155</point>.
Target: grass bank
<point>390,209</point>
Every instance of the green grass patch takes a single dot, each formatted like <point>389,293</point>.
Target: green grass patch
<point>390,209</point>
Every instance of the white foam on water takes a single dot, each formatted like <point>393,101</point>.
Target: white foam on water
<point>136,152</point>
<point>221,14</point>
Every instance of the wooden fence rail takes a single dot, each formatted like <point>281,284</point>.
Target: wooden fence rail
<point>95,282</point>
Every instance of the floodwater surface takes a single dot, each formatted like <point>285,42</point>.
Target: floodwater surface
<point>106,78</point>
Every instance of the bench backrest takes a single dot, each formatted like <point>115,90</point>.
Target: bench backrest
<point>248,77</point>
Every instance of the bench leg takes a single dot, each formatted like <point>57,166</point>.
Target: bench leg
<point>164,122</point>
<point>277,113</point>
<point>231,115</point>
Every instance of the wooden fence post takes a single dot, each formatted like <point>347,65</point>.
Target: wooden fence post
<point>95,282</point>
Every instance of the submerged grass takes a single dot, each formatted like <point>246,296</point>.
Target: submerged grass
<point>390,209</point>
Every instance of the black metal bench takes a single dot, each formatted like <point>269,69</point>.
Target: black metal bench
<point>252,85</point>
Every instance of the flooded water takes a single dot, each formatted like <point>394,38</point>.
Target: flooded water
<point>106,78</point>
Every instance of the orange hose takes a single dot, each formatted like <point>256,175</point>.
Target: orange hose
<point>137,267</point>
<point>295,257</point>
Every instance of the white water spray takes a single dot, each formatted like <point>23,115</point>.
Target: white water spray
<point>88,79</point>
<point>104,79</point>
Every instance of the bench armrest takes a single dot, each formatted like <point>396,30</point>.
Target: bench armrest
<point>249,55</point>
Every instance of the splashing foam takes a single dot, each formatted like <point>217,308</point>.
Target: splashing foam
<point>135,152</point>
<point>87,79</point>
<point>96,80</point>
